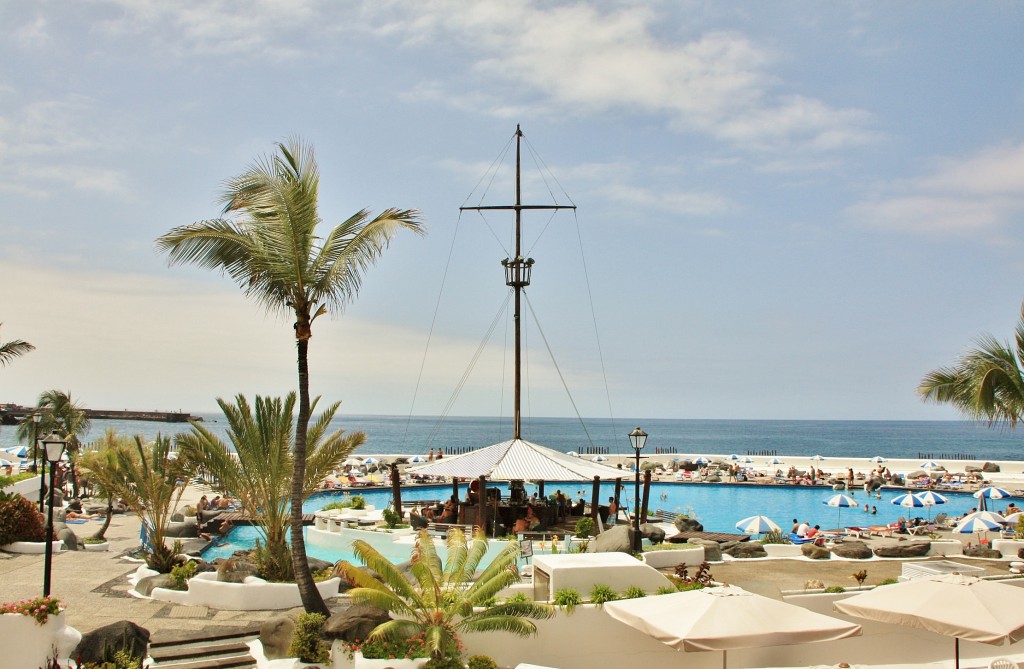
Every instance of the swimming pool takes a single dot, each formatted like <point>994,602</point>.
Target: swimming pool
<point>717,506</point>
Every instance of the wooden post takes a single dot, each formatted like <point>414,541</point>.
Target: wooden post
<point>455,487</point>
<point>540,489</point>
<point>618,489</point>
<point>595,501</point>
<point>396,489</point>
<point>647,496</point>
<point>481,493</point>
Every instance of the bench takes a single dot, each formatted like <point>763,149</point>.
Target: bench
<point>443,529</point>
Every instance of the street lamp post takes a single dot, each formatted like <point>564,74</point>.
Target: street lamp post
<point>54,445</point>
<point>638,438</point>
<point>37,459</point>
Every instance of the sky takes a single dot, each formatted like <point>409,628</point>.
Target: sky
<point>786,210</point>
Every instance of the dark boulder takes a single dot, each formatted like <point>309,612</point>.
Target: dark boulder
<point>316,564</point>
<point>712,549</point>
<point>990,467</point>
<point>65,534</point>
<point>235,571</point>
<point>354,623</point>
<point>815,552</point>
<point>983,552</point>
<point>652,532</point>
<point>616,539</point>
<point>186,529</point>
<point>100,644</point>
<point>177,517</point>
<point>144,586</point>
<point>745,549</point>
<point>276,634</point>
<point>686,524</point>
<point>904,549</point>
<point>972,469</point>
<point>853,550</point>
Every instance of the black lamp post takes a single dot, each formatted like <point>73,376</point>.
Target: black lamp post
<point>638,438</point>
<point>38,461</point>
<point>54,445</point>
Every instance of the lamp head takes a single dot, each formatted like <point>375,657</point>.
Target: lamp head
<point>638,438</point>
<point>36,418</point>
<point>54,445</point>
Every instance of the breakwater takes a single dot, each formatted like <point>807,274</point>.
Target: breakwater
<point>12,414</point>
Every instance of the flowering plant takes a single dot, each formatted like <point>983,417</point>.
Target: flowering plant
<point>40,608</point>
<point>390,649</point>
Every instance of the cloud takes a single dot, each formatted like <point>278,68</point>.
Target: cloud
<point>578,59</point>
<point>983,192</point>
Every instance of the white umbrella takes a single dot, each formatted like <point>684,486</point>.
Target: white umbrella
<point>908,500</point>
<point>1014,518</point>
<point>931,464</point>
<point>930,499</point>
<point>746,461</point>
<point>757,525</point>
<point>573,454</point>
<point>417,458</point>
<point>370,461</point>
<point>701,460</point>
<point>954,605</point>
<point>598,458</point>
<point>352,462</point>
<point>734,457</point>
<point>878,459</point>
<point>6,463</point>
<point>726,618</point>
<point>17,451</point>
<point>980,521</point>
<point>841,502</point>
<point>992,493</point>
<point>774,461</point>
<point>817,458</point>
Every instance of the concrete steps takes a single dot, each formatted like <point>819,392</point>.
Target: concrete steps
<point>221,651</point>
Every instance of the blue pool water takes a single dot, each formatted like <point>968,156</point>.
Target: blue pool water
<point>719,507</point>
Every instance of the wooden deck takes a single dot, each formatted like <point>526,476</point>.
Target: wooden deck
<point>713,536</point>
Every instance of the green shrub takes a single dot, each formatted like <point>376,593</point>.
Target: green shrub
<point>19,520</point>
<point>94,540</point>
<point>273,562</point>
<point>634,592</point>
<point>358,502</point>
<point>14,478</point>
<point>601,593</point>
<point>775,537</point>
<point>444,663</point>
<point>380,648</point>
<point>391,518</point>
<point>584,527</point>
<point>889,581</point>
<point>307,645</point>
<point>568,599</point>
<point>518,598</point>
<point>325,574</point>
<point>181,573</point>
<point>162,559</point>
<point>666,590</point>
<point>835,589</point>
<point>121,659</point>
<point>481,662</point>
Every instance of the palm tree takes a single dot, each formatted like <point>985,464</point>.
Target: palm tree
<point>986,382</point>
<point>101,464</point>
<point>259,473</point>
<point>443,601</point>
<point>9,350</point>
<point>60,413</point>
<point>271,249</point>
<point>151,482</point>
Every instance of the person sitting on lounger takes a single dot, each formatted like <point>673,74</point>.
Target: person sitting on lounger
<point>416,519</point>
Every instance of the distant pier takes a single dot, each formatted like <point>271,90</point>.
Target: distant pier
<point>12,414</point>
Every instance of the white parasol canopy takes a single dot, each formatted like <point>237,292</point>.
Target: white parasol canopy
<point>726,618</point>
<point>963,607</point>
<point>518,459</point>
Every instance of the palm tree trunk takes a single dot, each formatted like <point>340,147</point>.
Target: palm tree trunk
<point>106,521</point>
<point>312,602</point>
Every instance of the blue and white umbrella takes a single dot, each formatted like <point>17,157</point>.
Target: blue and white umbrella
<point>573,454</point>
<point>908,500</point>
<point>931,464</point>
<point>6,463</point>
<point>757,525</point>
<point>734,457</point>
<point>992,493</point>
<point>746,461</point>
<point>598,458</point>
<point>701,460</point>
<point>817,458</point>
<point>841,502</point>
<point>977,522</point>
<point>878,459</point>
<point>774,461</point>
<point>931,498</point>
<point>17,451</point>
<point>370,461</point>
<point>417,458</point>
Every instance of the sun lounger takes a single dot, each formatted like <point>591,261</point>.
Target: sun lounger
<point>858,532</point>
<point>883,530</point>
<point>794,539</point>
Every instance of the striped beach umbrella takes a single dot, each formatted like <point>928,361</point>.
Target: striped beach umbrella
<point>774,461</point>
<point>977,522</point>
<point>1014,518</point>
<point>746,461</point>
<point>931,464</point>
<point>908,500</point>
<point>17,451</point>
<point>701,460</point>
<point>817,458</point>
<point>930,499</point>
<point>757,525</point>
<point>840,502</point>
<point>992,493</point>
<point>734,457</point>
<point>370,461</point>
<point>6,463</point>
<point>878,459</point>
<point>573,454</point>
<point>417,458</point>
<point>598,458</point>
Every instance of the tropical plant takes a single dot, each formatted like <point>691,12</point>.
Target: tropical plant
<point>258,472</point>
<point>100,465</point>
<point>568,599</point>
<point>307,643</point>
<point>602,593</point>
<point>58,412</point>
<point>986,382</point>
<point>9,350</point>
<point>480,662</point>
<point>442,600</point>
<point>19,520</point>
<point>584,526</point>
<point>40,608</point>
<point>151,483</point>
<point>271,249</point>
<point>180,573</point>
<point>634,592</point>
<point>702,579</point>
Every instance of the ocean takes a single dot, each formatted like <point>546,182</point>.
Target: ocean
<point>418,434</point>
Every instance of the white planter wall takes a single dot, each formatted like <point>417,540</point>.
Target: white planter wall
<point>254,594</point>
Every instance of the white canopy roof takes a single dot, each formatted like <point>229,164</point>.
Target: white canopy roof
<point>518,459</point>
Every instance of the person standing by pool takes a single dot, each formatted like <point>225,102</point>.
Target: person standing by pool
<point>430,455</point>
<point>613,510</point>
